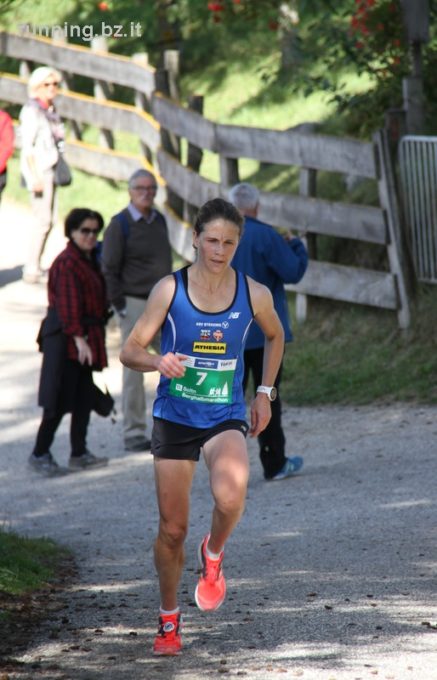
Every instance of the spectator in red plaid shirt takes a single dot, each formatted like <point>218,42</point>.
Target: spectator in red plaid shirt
<point>72,339</point>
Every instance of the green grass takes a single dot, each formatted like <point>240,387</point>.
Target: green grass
<point>349,354</point>
<point>231,103</point>
<point>27,564</point>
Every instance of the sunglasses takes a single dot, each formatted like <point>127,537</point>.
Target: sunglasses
<point>88,232</point>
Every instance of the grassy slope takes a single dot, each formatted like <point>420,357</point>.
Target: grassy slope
<point>351,355</point>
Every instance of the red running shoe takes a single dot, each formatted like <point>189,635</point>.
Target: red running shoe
<point>168,641</point>
<point>211,588</point>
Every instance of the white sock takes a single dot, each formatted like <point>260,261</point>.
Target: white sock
<point>211,555</point>
<point>168,612</point>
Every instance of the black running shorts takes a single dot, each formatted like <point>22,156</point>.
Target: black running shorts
<point>182,442</point>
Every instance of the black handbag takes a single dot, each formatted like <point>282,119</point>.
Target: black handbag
<point>62,173</point>
<point>103,402</point>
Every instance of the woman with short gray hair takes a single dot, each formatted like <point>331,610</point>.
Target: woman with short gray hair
<point>42,137</point>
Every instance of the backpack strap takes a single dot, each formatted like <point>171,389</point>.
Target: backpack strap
<point>124,223</point>
<point>125,228</point>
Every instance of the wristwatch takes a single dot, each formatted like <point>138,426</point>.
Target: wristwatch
<point>271,392</point>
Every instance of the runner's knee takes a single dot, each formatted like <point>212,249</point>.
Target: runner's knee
<point>172,534</point>
<point>229,494</point>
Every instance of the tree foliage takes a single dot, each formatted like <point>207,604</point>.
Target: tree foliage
<point>322,41</point>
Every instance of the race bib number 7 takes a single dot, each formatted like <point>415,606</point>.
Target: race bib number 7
<point>206,380</point>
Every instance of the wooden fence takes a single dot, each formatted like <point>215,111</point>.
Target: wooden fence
<point>160,123</point>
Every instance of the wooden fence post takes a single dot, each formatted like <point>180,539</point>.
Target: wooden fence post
<point>308,188</point>
<point>25,68</point>
<point>412,90</point>
<point>229,173</point>
<point>102,91</point>
<point>169,142</point>
<point>171,63</point>
<point>75,128</point>
<point>141,101</point>
<point>396,247</point>
<point>194,156</point>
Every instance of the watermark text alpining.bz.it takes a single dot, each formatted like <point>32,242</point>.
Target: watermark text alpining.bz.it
<point>86,32</point>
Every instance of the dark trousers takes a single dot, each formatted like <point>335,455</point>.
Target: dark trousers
<point>80,417</point>
<point>3,178</point>
<point>271,440</point>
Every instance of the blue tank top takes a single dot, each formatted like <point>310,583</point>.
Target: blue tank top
<point>211,390</point>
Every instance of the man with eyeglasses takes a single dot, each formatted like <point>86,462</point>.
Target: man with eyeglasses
<point>136,254</point>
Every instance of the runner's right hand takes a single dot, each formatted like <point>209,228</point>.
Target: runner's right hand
<point>171,365</point>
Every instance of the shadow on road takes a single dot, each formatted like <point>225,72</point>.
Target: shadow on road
<point>10,275</point>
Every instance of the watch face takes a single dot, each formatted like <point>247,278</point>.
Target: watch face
<point>271,392</point>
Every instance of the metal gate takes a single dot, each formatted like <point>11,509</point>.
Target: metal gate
<point>418,172</point>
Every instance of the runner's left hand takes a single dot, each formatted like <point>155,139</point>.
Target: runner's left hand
<point>260,414</point>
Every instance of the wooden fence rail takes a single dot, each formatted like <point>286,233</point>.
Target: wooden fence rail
<point>111,68</point>
<point>167,122</point>
<point>283,147</point>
